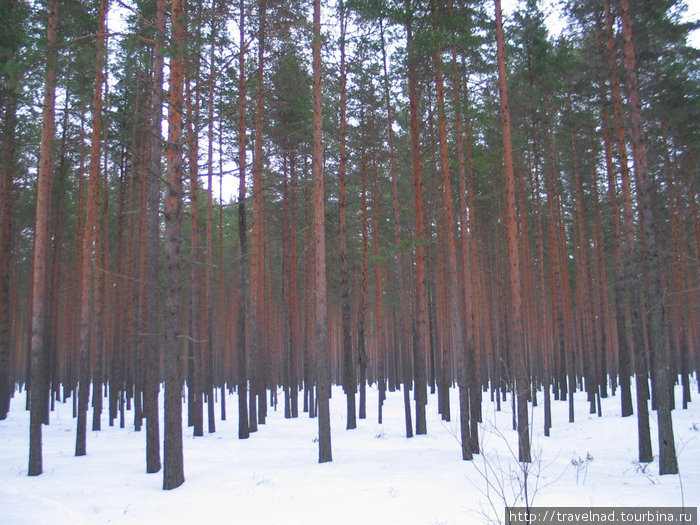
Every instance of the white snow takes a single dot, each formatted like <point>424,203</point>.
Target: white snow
<point>377,474</point>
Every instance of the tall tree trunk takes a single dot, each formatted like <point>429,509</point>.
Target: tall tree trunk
<point>294,336</point>
<point>380,347</point>
<point>455,290</point>
<point>309,285</point>
<point>419,331</point>
<point>257,247</point>
<point>97,332</point>
<point>631,266</point>
<point>362,357</point>
<point>7,167</point>
<point>151,338</point>
<point>223,315</point>
<point>289,295</point>
<point>128,277</point>
<point>323,381</point>
<point>41,247</point>
<point>473,288</point>
<point>469,365</point>
<point>173,471</point>
<point>518,340</point>
<point>207,312</point>
<point>661,377</point>
<point>242,361</point>
<point>194,369</point>
<point>349,379</point>
<point>680,333</point>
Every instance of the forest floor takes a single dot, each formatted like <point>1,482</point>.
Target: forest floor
<point>377,475</point>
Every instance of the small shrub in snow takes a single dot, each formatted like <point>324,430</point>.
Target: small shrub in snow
<point>581,466</point>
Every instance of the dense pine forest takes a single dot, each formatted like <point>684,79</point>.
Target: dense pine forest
<point>270,198</point>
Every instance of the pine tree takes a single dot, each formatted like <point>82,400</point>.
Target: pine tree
<point>242,361</point>
<point>323,380</point>
<point>41,245</point>
<point>152,357</point>
<point>173,469</point>
<point>420,334</point>
<point>650,257</point>
<point>89,240</point>
<point>517,338</point>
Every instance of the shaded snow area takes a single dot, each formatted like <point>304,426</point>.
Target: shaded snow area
<point>377,474</point>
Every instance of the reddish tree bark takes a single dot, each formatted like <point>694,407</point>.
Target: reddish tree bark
<point>41,246</point>
<point>454,284</point>
<point>518,340</point>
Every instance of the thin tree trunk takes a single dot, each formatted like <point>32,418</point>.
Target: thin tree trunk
<point>225,340</point>
<point>349,379</point>
<point>194,369</point>
<point>257,248</point>
<point>129,207</point>
<point>151,338</point>
<point>243,422</point>
<point>97,338</point>
<point>323,383</point>
<point>41,247</point>
<point>518,340</point>
<point>309,285</point>
<point>8,158</point>
<point>289,295</point>
<point>362,314</point>
<point>207,311</point>
<point>679,334</point>
<point>380,347</point>
<point>294,336</point>
<point>472,264</point>
<point>419,349</point>
<point>606,340</point>
<point>91,224</point>
<point>173,471</point>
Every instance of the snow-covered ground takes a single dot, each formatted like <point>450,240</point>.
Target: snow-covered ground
<point>377,475</point>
